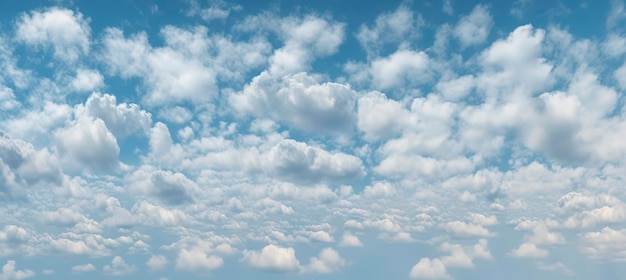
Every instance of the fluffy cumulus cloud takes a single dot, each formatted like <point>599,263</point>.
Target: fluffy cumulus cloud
<point>408,139</point>
<point>273,258</point>
<point>22,165</point>
<point>300,162</point>
<point>301,101</point>
<point>88,143</point>
<point>429,269</point>
<point>66,32</point>
<point>9,272</point>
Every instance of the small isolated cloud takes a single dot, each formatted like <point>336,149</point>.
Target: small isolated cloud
<point>350,240</point>
<point>474,28</point>
<point>529,250</point>
<point>429,269</point>
<point>65,31</point>
<point>118,267</point>
<point>157,262</point>
<point>328,261</point>
<point>10,273</point>
<point>83,268</point>
<point>273,258</point>
<point>196,260</point>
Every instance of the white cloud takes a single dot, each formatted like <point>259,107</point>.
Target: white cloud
<point>177,114</point>
<point>7,99</point>
<point>198,261</point>
<point>118,267</point>
<point>321,236</point>
<point>402,68</point>
<point>170,74</point>
<point>458,257</point>
<point>302,163</point>
<point>63,217</point>
<point>558,266</point>
<point>10,273</point>
<point>379,190</point>
<point>528,250</point>
<point>23,165</point>
<point>483,220</point>
<point>616,14</point>
<point>88,143</point>
<point>350,240</point>
<point>35,125</point>
<point>474,28</point>
<point>157,262</point>
<point>429,269</point>
<point>615,45</point>
<point>273,258</point>
<point>379,117</point>
<point>399,26</point>
<point>304,38</point>
<point>301,101</point>
<point>83,268</point>
<point>121,119</point>
<point>328,261</point>
<point>170,188</point>
<point>466,229</point>
<point>13,234</point>
<point>67,32</point>
<point>607,244</point>
<point>87,80</point>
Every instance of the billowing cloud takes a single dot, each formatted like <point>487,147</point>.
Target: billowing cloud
<point>65,31</point>
<point>88,143</point>
<point>273,258</point>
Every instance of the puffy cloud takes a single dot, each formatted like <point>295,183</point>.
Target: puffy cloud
<point>299,100</point>
<point>607,244</point>
<point>121,119</point>
<point>379,117</point>
<point>273,258</point>
<point>88,143</point>
<point>64,30</point>
<point>155,215</point>
<point>157,262</point>
<point>429,269</point>
<point>328,261</point>
<point>22,165</point>
<point>379,190</point>
<point>474,28</point>
<point>602,215</point>
<point>170,188</point>
<point>458,257</point>
<point>118,267</point>
<point>399,26</point>
<point>10,273</point>
<point>63,217</point>
<point>399,69</point>
<point>197,261</point>
<point>7,99</point>
<point>169,75</point>
<point>304,39</point>
<point>302,163</point>
<point>13,234</point>
<point>87,80</point>
<point>35,125</point>
<point>528,250</point>
<point>350,240</point>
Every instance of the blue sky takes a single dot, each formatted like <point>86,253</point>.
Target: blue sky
<point>437,139</point>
